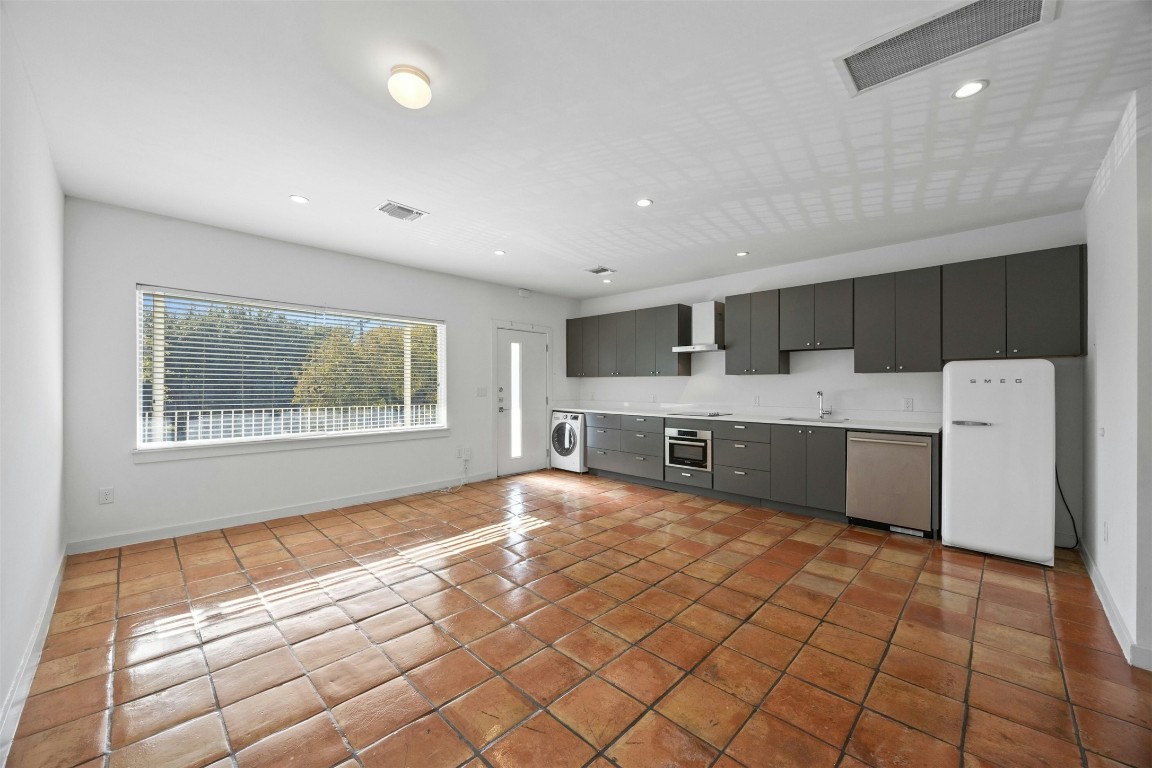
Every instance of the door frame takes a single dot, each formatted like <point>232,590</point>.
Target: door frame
<point>513,325</point>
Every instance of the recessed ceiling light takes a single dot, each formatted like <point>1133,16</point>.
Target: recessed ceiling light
<point>644,202</point>
<point>298,199</point>
<point>742,253</point>
<point>410,87</point>
<point>607,280</point>
<point>498,253</point>
<point>970,89</point>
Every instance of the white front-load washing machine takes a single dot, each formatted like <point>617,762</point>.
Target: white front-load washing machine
<point>568,441</point>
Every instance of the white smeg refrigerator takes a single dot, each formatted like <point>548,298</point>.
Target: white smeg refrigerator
<point>999,452</point>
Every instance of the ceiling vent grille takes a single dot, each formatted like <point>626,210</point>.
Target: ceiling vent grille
<point>941,37</point>
<point>402,212</point>
<point>601,271</point>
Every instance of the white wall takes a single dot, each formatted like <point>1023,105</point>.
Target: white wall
<point>875,396</point>
<point>1118,382</point>
<point>31,343</point>
<point>108,250</point>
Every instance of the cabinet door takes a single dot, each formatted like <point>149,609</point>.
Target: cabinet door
<point>973,303</point>
<point>832,320</point>
<point>606,359</point>
<point>1044,303</point>
<point>797,308</point>
<point>590,340</point>
<point>789,459</point>
<point>737,334</point>
<point>875,324</point>
<point>827,466</point>
<point>574,346</point>
<point>765,356</point>
<point>918,320</point>
<point>626,343</point>
<point>673,329</point>
<point>646,341</point>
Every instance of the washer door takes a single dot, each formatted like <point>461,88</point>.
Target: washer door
<point>564,438</point>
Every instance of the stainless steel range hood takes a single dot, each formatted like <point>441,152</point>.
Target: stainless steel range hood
<point>707,328</point>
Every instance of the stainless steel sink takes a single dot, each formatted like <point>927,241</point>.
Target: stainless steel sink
<point>814,420</point>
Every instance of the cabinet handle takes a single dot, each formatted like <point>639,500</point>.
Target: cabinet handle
<point>745,370</point>
<point>997,351</point>
<point>887,367</point>
<point>602,453</point>
<point>807,343</point>
<point>799,431</point>
<point>809,431</point>
<point>639,458</point>
<point>641,418</point>
<point>641,435</point>
<point>817,343</point>
<point>738,472</point>
<point>657,373</point>
<point>753,370</point>
<point>1015,351</point>
<point>738,426</point>
<point>738,445</point>
<point>602,431</point>
<point>686,474</point>
<point>900,367</point>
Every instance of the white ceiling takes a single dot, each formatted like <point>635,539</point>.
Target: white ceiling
<point>550,119</point>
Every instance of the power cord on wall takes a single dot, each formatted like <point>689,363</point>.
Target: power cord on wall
<point>463,479</point>
<point>1071,517</point>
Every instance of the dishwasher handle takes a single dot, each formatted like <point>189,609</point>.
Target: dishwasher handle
<point>972,423</point>
<point>888,442</point>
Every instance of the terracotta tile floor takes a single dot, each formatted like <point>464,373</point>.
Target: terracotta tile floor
<point>551,620</point>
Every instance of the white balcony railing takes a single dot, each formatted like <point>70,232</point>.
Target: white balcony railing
<point>241,423</point>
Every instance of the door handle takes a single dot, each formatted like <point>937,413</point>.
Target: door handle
<point>972,423</point>
<point>501,410</point>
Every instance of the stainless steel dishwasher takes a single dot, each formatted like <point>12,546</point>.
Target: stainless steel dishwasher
<point>890,479</point>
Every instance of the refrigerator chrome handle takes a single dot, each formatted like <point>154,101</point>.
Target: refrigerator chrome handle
<point>972,423</point>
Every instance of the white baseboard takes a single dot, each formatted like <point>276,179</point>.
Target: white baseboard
<point>17,694</point>
<point>167,532</point>
<point>1136,655</point>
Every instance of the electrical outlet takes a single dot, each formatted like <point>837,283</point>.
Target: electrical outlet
<point>653,398</point>
<point>105,495</point>
<point>755,399</point>
<point>908,404</point>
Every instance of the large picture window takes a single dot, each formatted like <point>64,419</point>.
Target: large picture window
<point>220,369</point>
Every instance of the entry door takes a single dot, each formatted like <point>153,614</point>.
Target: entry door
<point>521,401</point>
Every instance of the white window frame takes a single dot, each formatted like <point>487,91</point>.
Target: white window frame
<point>163,450</point>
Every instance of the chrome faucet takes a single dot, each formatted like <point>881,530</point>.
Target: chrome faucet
<point>820,404</point>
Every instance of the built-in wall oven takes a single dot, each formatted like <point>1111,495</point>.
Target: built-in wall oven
<point>691,448</point>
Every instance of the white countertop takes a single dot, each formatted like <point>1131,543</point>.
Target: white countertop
<point>763,417</point>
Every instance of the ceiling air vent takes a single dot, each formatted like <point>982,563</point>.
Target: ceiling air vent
<point>402,212</point>
<point>940,37</point>
<point>601,271</point>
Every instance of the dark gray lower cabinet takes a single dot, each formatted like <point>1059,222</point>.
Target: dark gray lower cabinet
<point>688,477</point>
<point>746,482</point>
<point>624,463</point>
<point>643,443</point>
<point>808,465</point>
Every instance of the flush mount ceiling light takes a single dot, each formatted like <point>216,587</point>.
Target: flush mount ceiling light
<point>644,202</point>
<point>298,199</point>
<point>969,89</point>
<point>410,87</point>
<point>498,253</point>
<point>607,280</point>
<point>742,253</point>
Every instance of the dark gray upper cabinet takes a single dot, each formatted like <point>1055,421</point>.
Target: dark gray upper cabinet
<point>752,334</point>
<point>574,346</point>
<point>832,321</point>
<point>918,320</point>
<point>590,343</point>
<point>738,334</point>
<point>826,464</point>
<point>673,329</point>
<point>816,316</point>
<point>797,317</point>
<point>617,353</point>
<point>646,342</point>
<point>875,324</point>
<point>789,464</point>
<point>972,309</point>
<point>898,322</point>
<point>1045,303</point>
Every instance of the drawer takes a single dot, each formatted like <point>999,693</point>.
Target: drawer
<point>598,458</point>
<point>598,437</point>
<point>643,443</point>
<point>604,420</point>
<point>737,453</point>
<point>697,424</point>
<point>746,482</point>
<point>688,477</point>
<point>742,430</point>
<point>650,467</point>
<point>642,423</point>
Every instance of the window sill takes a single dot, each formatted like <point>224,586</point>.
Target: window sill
<point>271,445</point>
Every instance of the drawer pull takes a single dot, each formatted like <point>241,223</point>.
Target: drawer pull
<point>738,426</point>
<point>886,442</point>
<point>639,458</point>
<point>641,418</point>
<point>641,435</point>
<point>602,453</point>
<point>739,445</point>
<point>738,472</point>
<point>686,474</point>
<point>602,431</point>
